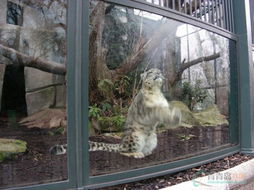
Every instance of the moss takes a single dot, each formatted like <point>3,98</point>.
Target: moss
<point>188,119</point>
<point>11,147</point>
<point>208,117</point>
<point>49,92</point>
<point>112,124</point>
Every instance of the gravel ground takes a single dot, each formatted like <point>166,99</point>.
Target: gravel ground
<point>172,179</point>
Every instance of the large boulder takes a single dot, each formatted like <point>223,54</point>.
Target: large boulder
<point>188,119</point>
<point>11,147</point>
<point>208,117</point>
<point>46,119</point>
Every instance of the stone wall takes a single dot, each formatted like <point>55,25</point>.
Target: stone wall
<point>36,38</point>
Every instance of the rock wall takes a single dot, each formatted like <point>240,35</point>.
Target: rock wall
<point>37,38</point>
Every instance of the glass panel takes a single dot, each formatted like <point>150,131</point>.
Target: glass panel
<point>32,91</point>
<point>158,89</point>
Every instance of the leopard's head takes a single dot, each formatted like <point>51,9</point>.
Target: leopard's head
<point>152,79</point>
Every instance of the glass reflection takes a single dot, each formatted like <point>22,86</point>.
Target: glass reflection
<point>142,67</point>
<point>32,91</point>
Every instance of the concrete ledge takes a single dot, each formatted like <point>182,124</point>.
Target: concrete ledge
<point>239,177</point>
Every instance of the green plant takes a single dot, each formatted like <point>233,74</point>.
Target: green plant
<point>94,111</point>
<point>193,94</point>
<point>118,120</point>
<point>106,106</point>
<point>112,123</point>
<point>122,86</point>
<point>57,131</point>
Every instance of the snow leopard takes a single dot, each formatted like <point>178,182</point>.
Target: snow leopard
<point>148,109</point>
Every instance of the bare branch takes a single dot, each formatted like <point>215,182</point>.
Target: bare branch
<point>186,65</point>
<point>198,60</point>
<point>19,58</point>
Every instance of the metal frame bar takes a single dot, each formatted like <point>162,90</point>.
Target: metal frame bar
<point>228,20</point>
<point>205,14</point>
<point>176,15</point>
<point>234,121</point>
<point>246,74</point>
<point>231,8</point>
<point>220,15</point>
<point>78,160</point>
<point>190,4</point>
<point>158,170</point>
<point>223,16</point>
<point>166,4</point>
<point>216,12</point>
<point>196,15</point>
<point>224,6</point>
<point>209,11</point>
<point>200,9</point>
<point>185,8</point>
<point>213,12</point>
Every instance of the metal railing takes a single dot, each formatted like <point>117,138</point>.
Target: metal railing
<point>216,12</point>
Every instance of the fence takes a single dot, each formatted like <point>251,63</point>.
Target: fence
<point>216,12</point>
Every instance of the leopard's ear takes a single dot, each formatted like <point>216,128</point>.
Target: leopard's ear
<point>143,76</point>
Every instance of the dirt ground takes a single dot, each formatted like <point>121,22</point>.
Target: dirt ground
<point>36,165</point>
<point>173,144</point>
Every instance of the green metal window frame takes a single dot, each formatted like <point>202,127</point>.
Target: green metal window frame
<point>77,93</point>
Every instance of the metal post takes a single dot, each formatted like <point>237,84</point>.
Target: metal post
<point>246,75</point>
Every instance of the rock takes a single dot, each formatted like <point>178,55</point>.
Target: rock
<point>208,117</point>
<point>188,119</point>
<point>11,147</point>
<point>60,96</point>
<point>39,100</point>
<point>46,119</point>
<point>42,79</point>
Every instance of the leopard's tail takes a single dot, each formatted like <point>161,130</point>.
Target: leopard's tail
<point>100,146</point>
<point>93,146</point>
<point>58,149</point>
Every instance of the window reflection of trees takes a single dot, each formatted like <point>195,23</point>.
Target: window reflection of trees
<point>14,14</point>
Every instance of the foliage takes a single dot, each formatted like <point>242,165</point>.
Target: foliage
<point>118,120</point>
<point>94,111</point>
<point>114,123</point>
<point>105,87</point>
<point>122,87</point>
<point>57,131</point>
<point>193,94</point>
<point>117,91</point>
<point>105,117</point>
